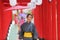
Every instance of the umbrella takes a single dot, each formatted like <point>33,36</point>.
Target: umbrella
<point>16,8</point>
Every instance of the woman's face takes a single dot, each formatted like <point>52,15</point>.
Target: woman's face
<point>29,18</point>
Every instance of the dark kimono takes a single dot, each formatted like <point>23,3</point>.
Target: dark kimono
<point>28,27</point>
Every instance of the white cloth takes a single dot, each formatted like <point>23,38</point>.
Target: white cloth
<point>13,32</point>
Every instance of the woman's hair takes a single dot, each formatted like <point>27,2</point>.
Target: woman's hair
<point>30,15</point>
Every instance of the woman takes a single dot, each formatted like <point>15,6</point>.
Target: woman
<point>28,31</point>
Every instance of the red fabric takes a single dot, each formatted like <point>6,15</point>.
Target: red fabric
<point>6,20</point>
<point>44,18</point>
<point>0,21</point>
<point>47,22</point>
<point>38,19</point>
<point>58,8</point>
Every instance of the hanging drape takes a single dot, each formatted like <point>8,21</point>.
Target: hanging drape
<point>58,18</point>
<point>46,19</point>
<point>0,21</point>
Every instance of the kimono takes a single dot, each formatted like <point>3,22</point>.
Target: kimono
<point>28,27</point>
